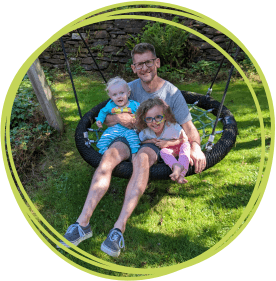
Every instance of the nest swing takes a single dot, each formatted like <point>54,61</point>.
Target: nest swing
<point>214,153</point>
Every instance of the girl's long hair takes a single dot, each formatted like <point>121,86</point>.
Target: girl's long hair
<point>146,105</point>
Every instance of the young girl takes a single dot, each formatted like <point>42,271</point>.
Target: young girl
<point>119,92</point>
<point>157,124</point>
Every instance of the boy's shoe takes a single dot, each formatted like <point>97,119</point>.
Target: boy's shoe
<point>113,243</point>
<point>76,234</point>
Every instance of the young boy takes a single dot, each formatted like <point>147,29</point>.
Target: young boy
<point>119,92</point>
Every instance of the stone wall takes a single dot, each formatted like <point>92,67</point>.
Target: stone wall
<point>107,41</point>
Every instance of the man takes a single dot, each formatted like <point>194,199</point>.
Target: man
<point>145,65</point>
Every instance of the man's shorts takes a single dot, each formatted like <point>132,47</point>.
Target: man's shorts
<point>124,140</point>
<point>151,145</point>
<point>156,150</point>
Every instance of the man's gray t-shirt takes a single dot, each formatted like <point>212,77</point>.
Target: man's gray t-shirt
<point>169,93</point>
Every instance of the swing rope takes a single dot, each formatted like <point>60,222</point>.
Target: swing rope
<point>91,55</point>
<point>70,74</point>
<point>209,144</point>
<point>216,75</point>
<point>87,140</point>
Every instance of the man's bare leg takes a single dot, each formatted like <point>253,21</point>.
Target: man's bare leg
<point>142,162</point>
<point>135,188</point>
<point>101,179</point>
<point>81,230</point>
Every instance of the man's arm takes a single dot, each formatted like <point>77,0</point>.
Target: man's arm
<point>165,143</point>
<point>198,157</point>
<point>149,141</point>
<point>125,119</point>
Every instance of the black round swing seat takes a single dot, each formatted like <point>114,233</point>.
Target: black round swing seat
<point>161,171</point>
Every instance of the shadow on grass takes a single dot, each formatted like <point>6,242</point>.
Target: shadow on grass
<point>62,201</point>
<point>238,195</point>
<point>145,249</point>
<point>68,191</point>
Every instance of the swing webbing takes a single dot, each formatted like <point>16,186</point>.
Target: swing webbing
<point>202,121</point>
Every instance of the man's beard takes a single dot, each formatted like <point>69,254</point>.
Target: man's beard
<point>149,78</point>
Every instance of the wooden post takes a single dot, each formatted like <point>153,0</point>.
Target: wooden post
<point>44,96</point>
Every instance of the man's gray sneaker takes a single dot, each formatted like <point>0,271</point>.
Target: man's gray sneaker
<point>113,243</point>
<point>76,234</point>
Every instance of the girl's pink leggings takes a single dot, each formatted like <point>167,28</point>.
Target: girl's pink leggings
<point>183,150</point>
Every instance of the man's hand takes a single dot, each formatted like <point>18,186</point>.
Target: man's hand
<point>125,119</point>
<point>99,124</point>
<point>150,141</point>
<point>198,158</point>
<point>161,143</point>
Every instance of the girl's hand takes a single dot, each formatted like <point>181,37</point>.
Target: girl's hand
<point>183,137</point>
<point>161,143</point>
<point>99,124</point>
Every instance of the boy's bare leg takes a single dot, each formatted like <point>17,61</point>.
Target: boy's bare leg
<point>142,162</point>
<point>132,156</point>
<point>101,179</point>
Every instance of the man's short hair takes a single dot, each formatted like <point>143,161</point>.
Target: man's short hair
<point>141,48</point>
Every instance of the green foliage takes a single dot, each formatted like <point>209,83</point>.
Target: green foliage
<point>56,47</point>
<point>76,68</point>
<point>203,70</point>
<point>248,66</point>
<point>50,75</point>
<point>99,49</point>
<point>170,42</point>
<point>171,74</point>
<point>132,41</point>
<point>203,67</point>
<point>128,68</point>
<point>28,128</point>
<point>23,106</point>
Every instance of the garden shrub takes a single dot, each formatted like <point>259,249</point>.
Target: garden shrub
<point>204,67</point>
<point>171,43</point>
<point>29,130</point>
<point>247,65</point>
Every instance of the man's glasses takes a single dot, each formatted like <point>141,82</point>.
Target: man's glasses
<point>157,118</point>
<point>148,63</point>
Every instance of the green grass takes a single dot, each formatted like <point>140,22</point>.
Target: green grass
<point>172,223</point>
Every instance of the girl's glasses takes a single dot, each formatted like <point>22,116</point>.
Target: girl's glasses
<point>157,118</point>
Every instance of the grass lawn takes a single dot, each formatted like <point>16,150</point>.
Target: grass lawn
<point>172,223</point>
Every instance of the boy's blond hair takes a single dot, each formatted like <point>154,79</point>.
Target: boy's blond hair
<point>116,80</point>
